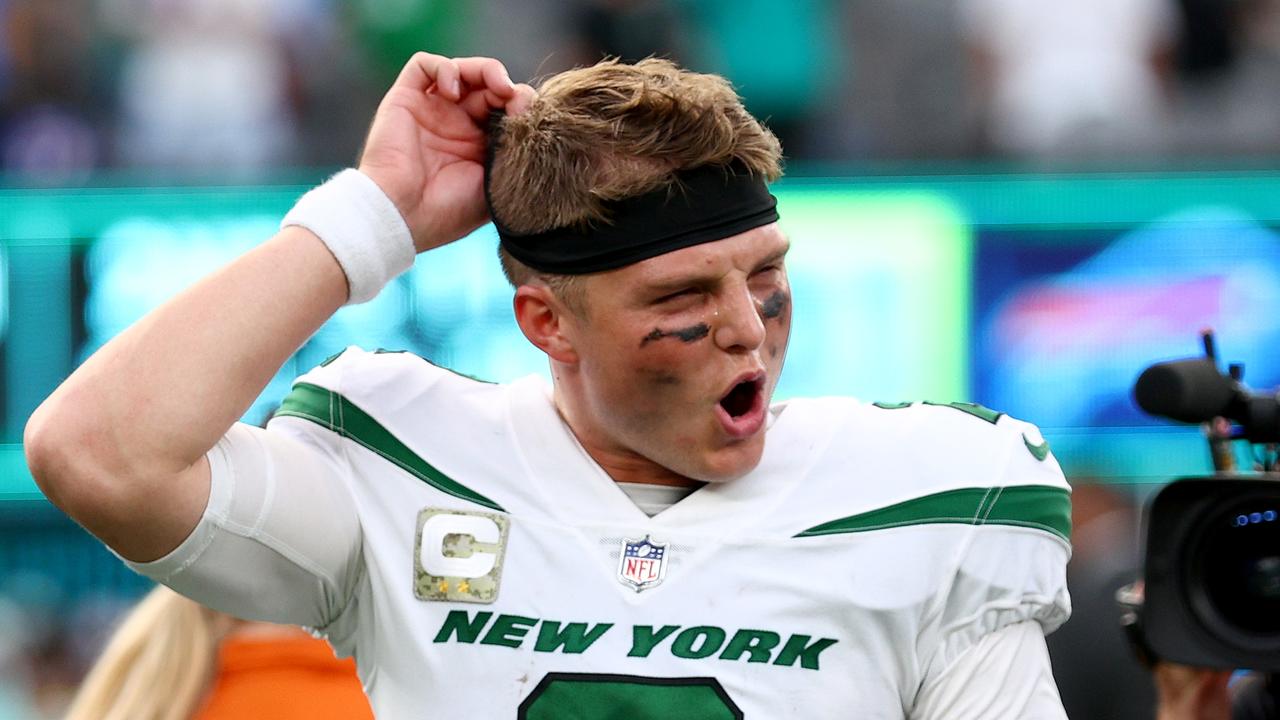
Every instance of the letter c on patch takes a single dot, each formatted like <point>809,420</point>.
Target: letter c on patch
<point>479,529</point>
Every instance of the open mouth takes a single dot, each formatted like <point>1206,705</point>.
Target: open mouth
<point>741,410</point>
<point>742,398</point>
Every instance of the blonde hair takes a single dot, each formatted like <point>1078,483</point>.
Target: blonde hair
<point>157,665</point>
<point>613,131</point>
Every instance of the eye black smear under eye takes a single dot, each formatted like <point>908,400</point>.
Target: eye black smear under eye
<point>774,305</point>
<point>689,334</point>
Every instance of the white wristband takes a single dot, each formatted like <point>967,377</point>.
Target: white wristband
<point>360,225</point>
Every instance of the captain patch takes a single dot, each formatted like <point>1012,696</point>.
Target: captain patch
<point>459,555</point>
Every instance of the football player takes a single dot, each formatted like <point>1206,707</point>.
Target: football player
<point>648,537</point>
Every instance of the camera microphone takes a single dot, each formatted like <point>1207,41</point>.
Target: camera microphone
<point>1189,391</point>
<point>1195,391</point>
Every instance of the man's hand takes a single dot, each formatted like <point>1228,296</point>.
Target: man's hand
<point>1187,693</point>
<point>426,146</point>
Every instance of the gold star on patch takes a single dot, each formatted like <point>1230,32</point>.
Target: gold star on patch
<point>464,586</point>
<point>444,586</point>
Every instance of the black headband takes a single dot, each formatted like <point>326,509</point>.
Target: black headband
<point>707,203</point>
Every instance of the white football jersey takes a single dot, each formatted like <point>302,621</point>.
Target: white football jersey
<point>457,540</point>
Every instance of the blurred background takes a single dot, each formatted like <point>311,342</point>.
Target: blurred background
<point>1012,202</point>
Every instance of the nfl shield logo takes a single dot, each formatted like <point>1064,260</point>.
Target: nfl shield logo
<point>642,563</point>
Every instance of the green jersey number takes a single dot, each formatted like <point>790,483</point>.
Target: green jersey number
<point>589,696</point>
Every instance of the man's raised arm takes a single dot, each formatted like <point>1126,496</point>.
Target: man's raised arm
<point>120,446</point>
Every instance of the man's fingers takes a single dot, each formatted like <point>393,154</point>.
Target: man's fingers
<point>454,78</point>
<point>479,103</point>
<point>487,73</point>
<point>477,84</point>
<point>521,99</point>
<point>424,71</point>
<point>476,106</point>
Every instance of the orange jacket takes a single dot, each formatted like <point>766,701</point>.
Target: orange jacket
<point>291,677</point>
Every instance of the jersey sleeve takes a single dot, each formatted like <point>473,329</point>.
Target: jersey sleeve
<point>1005,676</point>
<point>1010,569</point>
<point>280,538</point>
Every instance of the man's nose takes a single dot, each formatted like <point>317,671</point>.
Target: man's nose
<point>739,325</point>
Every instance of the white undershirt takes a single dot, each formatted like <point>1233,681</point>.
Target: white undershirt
<point>653,499</point>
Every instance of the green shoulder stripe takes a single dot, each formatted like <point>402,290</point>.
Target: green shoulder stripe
<point>333,411</point>
<point>1033,506</point>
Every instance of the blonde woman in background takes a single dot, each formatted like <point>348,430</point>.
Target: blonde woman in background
<point>173,659</point>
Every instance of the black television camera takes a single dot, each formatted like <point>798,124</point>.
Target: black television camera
<point>1211,591</point>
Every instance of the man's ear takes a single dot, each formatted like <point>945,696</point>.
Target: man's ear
<point>545,320</point>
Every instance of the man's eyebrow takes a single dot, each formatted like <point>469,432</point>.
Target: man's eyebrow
<point>776,257</point>
<point>672,284</point>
